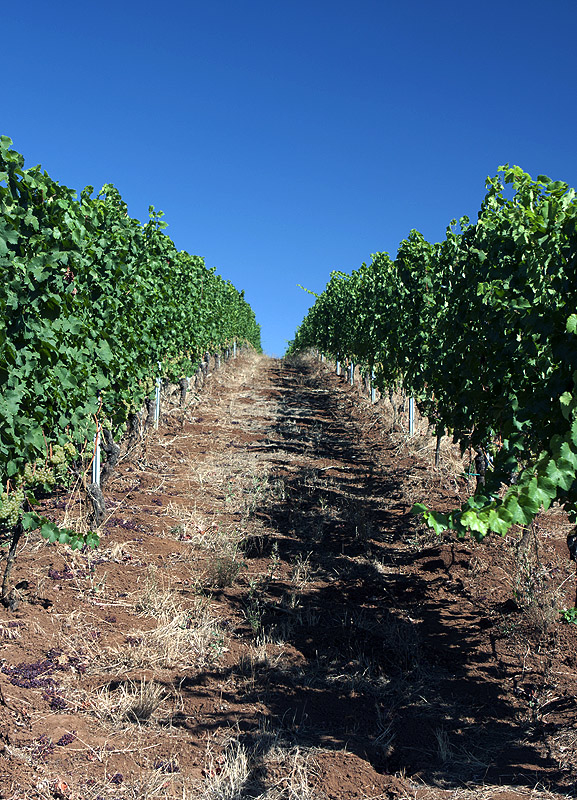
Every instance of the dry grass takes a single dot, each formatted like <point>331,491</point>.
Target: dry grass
<point>154,784</point>
<point>562,745</point>
<point>385,735</point>
<point>191,525</point>
<point>267,769</point>
<point>157,598</point>
<point>538,595</point>
<point>79,636</point>
<point>134,702</point>
<point>173,631</point>
<point>10,631</point>
<point>183,634</point>
<point>218,548</point>
<point>224,567</point>
<point>227,774</point>
<point>293,772</point>
<point>482,792</point>
<point>117,552</point>
<point>258,659</point>
<point>301,571</point>
<point>183,637</point>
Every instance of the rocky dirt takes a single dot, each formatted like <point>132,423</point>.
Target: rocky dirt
<point>265,619</point>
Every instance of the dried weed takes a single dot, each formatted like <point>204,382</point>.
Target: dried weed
<point>183,637</point>
<point>267,769</point>
<point>131,701</point>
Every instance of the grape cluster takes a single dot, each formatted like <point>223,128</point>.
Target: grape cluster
<point>11,506</point>
<point>58,457</point>
<point>28,475</point>
<point>55,700</point>
<point>51,471</point>
<point>36,675</point>
<point>70,450</point>
<point>39,474</point>
<point>68,738</point>
<point>43,475</point>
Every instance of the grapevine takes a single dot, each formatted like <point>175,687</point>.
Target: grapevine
<point>480,329</point>
<point>91,301</point>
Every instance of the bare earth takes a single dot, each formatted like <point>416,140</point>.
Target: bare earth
<point>265,619</point>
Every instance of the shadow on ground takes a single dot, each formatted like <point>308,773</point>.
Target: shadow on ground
<point>393,663</point>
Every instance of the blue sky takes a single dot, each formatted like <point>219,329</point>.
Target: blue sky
<point>284,140</point>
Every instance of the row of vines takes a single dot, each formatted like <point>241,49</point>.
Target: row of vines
<point>94,308</point>
<point>481,329</point>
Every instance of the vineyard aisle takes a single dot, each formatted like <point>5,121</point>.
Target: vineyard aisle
<point>265,619</point>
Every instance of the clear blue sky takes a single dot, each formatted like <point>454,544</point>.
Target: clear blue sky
<point>286,139</point>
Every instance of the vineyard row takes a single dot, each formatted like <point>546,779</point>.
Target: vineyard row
<point>96,311</point>
<point>481,329</point>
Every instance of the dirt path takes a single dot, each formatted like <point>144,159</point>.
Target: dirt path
<point>264,618</point>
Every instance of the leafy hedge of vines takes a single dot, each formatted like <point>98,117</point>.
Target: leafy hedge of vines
<point>481,329</point>
<point>90,302</point>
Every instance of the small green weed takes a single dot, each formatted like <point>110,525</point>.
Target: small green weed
<point>569,615</point>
